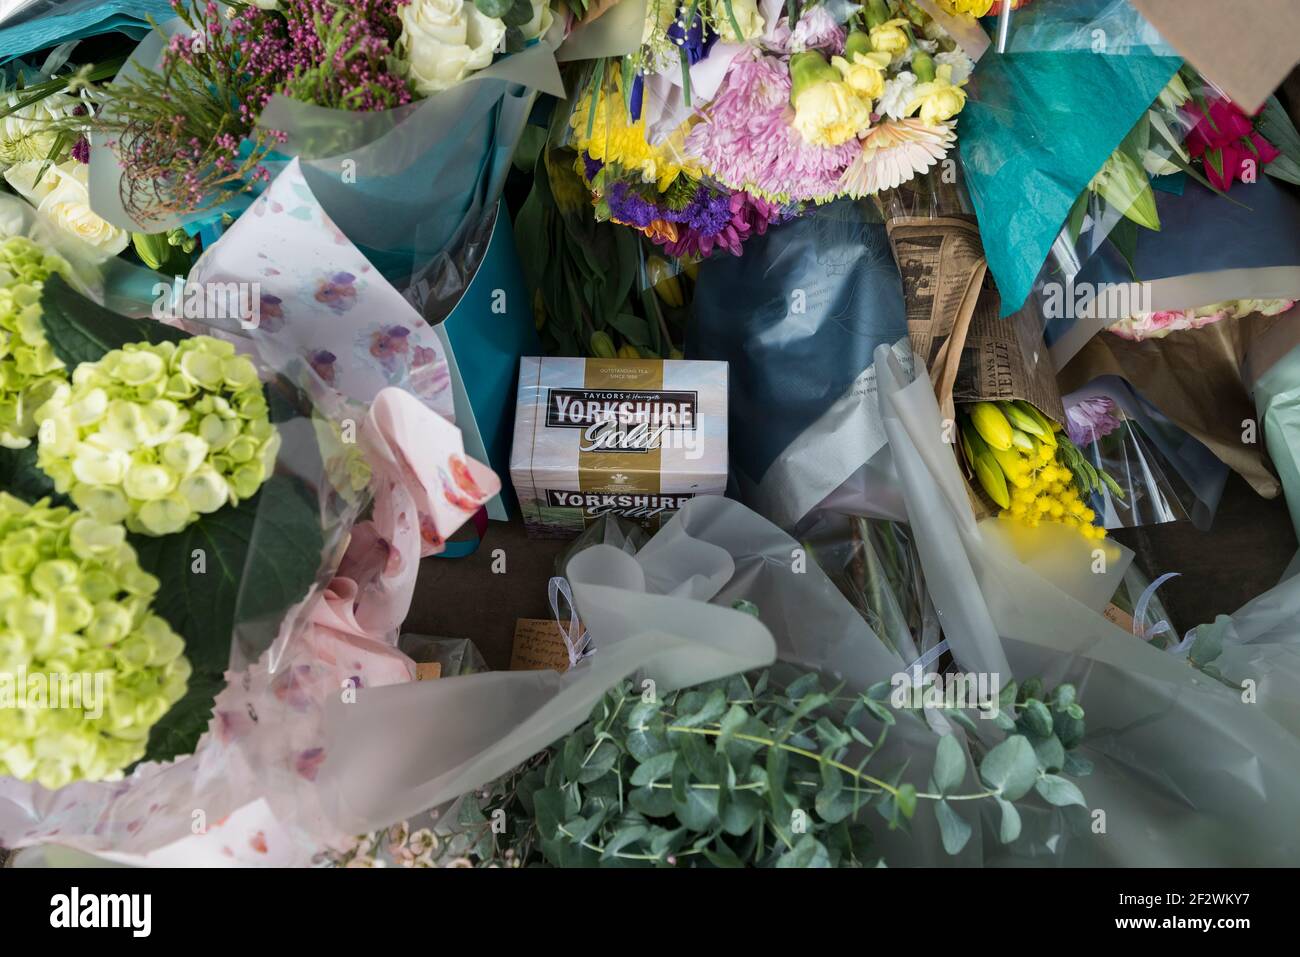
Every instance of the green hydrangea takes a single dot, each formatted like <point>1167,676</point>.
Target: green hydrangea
<point>29,369</point>
<point>156,435</point>
<point>75,602</point>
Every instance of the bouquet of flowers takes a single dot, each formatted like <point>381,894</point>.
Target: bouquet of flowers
<point>730,118</point>
<point>176,522</point>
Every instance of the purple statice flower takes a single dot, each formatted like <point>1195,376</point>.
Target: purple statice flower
<point>747,142</point>
<point>590,166</point>
<point>747,216</point>
<point>708,213</point>
<point>1090,419</point>
<point>628,206</point>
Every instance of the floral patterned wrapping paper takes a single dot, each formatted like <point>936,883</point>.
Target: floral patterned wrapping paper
<point>250,792</point>
<point>321,301</point>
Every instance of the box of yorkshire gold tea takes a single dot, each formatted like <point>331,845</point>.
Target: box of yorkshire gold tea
<point>634,437</point>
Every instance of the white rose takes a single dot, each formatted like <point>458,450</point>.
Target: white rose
<point>541,21</point>
<point>63,198</point>
<point>445,40</point>
<point>747,17</point>
<point>25,134</point>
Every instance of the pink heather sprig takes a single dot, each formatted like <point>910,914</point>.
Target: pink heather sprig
<point>748,143</point>
<point>187,133</point>
<point>333,55</point>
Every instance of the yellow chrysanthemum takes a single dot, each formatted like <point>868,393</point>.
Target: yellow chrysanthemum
<point>616,139</point>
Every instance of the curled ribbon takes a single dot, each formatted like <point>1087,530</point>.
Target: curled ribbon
<point>576,638</point>
<point>1140,611</point>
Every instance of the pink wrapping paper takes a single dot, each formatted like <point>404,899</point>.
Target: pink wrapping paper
<point>248,794</point>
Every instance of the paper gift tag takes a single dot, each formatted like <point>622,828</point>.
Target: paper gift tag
<point>1118,616</point>
<point>428,670</point>
<point>539,645</point>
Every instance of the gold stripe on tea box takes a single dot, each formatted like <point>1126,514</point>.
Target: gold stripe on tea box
<point>623,472</point>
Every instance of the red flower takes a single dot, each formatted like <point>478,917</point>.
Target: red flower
<point>1224,124</point>
<point>1226,139</point>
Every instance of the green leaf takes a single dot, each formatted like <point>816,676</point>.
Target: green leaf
<point>696,808</point>
<point>906,799</point>
<point>1010,827</point>
<point>665,842</point>
<point>1277,128</point>
<point>496,9</point>
<point>520,12</point>
<point>634,329</point>
<point>1011,767</point>
<point>953,829</point>
<point>778,765</point>
<point>732,721</point>
<point>1076,765</point>
<point>652,802</point>
<point>704,763</point>
<point>1037,719</point>
<point>1074,222</point>
<point>1208,643</point>
<point>658,767</point>
<point>20,476</point>
<point>1050,753</point>
<point>708,712</point>
<point>179,730</point>
<point>831,737</point>
<point>949,764</point>
<point>579,829</point>
<point>740,813</point>
<point>598,763</point>
<point>1058,791</point>
<point>549,805</point>
<point>643,743</point>
<point>80,330</point>
<point>720,855</point>
<point>243,578</point>
<point>807,852</point>
<point>803,686</point>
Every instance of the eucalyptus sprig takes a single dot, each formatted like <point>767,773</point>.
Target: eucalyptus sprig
<point>739,773</point>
